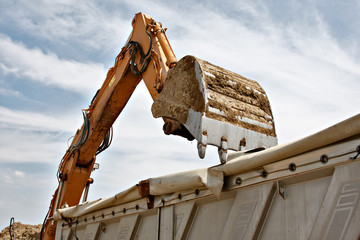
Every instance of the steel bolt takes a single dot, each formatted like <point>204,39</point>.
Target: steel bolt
<point>292,167</point>
<point>238,181</point>
<point>324,159</point>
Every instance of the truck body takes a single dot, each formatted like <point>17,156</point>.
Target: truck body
<point>306,189</point>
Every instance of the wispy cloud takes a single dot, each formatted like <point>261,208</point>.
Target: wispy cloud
<point>14,94</point>
<point>19,174</point>
<point>31,147</point>
<point>47,68</point>
<point>33,121</point>
<point>28,136</point>
<point>81,22</point>
<point>10,93</point>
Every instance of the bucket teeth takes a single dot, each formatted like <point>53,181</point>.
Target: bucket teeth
<point>202,145</point>
<point>222,150</point>
<point>232,111</point>
<point>201,150</point>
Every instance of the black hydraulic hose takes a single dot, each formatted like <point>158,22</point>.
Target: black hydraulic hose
<point>106,142</point>
<point>144,57</point>
<point>84,133</point>
<point>44,223</point>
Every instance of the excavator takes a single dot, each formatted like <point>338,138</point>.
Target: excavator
<point>196,99</point>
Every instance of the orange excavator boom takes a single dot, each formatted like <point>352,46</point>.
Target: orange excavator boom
<point>147,55</point>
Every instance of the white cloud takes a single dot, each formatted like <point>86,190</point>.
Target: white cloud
<point>7,179</point>
<point>12,93</point>
<point>29,136</point>
<point>16,94</point>
<point>47,68</point>
<point>81,22</point>
<point>19,174</point>
<point>19,146</point>
<point>34,121</point>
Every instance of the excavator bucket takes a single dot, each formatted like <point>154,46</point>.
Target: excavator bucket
<point>218,107</point>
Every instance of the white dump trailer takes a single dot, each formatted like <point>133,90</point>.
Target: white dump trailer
<point>306,189</point>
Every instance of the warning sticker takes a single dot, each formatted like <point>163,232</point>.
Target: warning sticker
<point>111,81</point>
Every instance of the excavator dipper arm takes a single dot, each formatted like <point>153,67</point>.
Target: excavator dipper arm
<point>147,55</point>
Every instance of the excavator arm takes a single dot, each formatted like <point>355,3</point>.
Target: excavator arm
<point>147,55</point>
<point>196,99</point>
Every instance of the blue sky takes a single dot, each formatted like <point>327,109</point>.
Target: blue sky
<point>54,55</point>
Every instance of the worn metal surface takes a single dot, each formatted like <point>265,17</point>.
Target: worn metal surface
<point>324,207</point>
<point>339,216</point>
<point>313,209</point>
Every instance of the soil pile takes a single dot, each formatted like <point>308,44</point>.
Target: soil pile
<point>22,232</point>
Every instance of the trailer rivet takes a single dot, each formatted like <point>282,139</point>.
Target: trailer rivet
<point>264,173</point>
<point>292,167</point>
<point>324,159</point>
<point>238,181</point>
